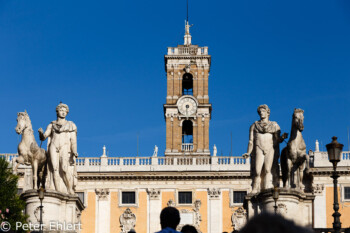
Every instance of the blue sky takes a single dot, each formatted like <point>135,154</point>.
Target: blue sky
<point>105,60</point>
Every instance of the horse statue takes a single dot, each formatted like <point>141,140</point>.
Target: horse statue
<point>29,153</point>
<point>294,157</point>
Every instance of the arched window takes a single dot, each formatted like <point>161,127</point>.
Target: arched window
<point>187,132</point>
<point>187,84</point>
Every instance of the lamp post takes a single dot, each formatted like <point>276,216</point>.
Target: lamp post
<point>41,198</point>
<point>275,196</point>
<point>334,150</point>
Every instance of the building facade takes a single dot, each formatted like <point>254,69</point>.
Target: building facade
<point>124,193</point>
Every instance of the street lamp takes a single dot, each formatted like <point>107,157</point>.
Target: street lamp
<point>275,196</point>
<point>334,152</point>
<point>41,198</point>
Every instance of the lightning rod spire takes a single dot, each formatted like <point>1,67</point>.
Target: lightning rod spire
<point>187,37</point>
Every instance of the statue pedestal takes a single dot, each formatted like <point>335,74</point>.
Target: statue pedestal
<point>61,212</point>
<point>292,204</point>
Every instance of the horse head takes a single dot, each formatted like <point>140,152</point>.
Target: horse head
<point>23,122</point>
<point>298,119</point>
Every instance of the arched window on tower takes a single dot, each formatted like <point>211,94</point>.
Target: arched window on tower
<point>187,84</point>
<point>187,135</point>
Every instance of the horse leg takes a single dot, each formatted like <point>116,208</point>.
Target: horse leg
<point>16,162</point>
<point>289,174</point>
<point>42,167</point>
<point>14,166</point>
<point>293,170</point>
<point>35,173</point>
<point>301,175</point>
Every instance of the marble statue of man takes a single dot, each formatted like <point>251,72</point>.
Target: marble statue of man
<point>264,139</point>
<point>215,150</point>
<point>62,149</point>
<point>155,152</point>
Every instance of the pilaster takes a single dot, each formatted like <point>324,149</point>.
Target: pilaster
<point>214,210</point>
<point>155,207</point>
<point>102,207</point>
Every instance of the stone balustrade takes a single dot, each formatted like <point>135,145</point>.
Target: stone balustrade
<point>187,147</point>
<point>320,159</point>
<point>188,50</point>
<point>183,163</point>
<point>8,157</point>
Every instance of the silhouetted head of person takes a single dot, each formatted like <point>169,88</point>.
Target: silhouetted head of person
<point>271,223</point>
<point>169,217</point>
<point>189,229</point>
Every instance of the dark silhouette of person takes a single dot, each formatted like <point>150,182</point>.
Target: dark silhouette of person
<point>272,223</point>
<point>169,219</point>
<point>189,229</point>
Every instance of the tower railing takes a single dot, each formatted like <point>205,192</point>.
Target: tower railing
<point>187,147</point>
<point>188,50</point>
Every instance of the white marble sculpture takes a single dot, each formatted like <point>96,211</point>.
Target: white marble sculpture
<point>239,218</point>
<point>29,152</point>
<point>155,152</point>
<point>62,151</point>
<point>215,150</point>
<point>264,139</point>
<point>294,158</point>
<point>127,221</point>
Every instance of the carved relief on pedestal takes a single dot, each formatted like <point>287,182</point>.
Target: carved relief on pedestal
<point>317,188</point>
<point>37,213</point>
<point>127,221</point>
<point>214,192</point>
<point>239,218</point>
<point>153,193</point>
<point>282,209</point>
<point>170,203</point>
<point>102,194</point>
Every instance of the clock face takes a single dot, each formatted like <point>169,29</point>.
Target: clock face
<point>187,106</point>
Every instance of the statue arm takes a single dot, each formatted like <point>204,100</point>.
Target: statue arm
<point>47,133</point>
<point>73,141</point>
<point>278,137</point>
<point>251,142</point>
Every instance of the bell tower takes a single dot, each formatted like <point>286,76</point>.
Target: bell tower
<point>187,110</point>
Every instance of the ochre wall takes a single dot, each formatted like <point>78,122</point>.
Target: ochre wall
<point>227,212</point>
<point>88,214</point>
<point>203,196</point>
<point>344,209</point>
<point>115,225</point>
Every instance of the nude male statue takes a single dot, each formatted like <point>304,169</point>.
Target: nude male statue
<point>62,147</point>
<point>264,139</point>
